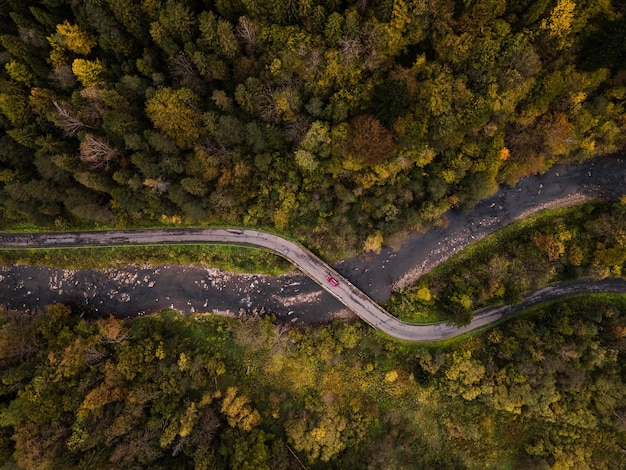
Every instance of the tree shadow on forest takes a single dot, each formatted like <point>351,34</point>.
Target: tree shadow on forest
<point>604,46</point>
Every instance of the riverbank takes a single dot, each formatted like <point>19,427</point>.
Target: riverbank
<point>294,297</point>
<point>399,266</point>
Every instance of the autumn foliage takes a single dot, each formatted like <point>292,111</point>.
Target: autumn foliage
<point>316,117</point>
<point>368,140</point>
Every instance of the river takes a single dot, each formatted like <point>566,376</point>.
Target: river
<point>139,290</point>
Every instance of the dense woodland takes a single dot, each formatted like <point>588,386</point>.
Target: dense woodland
<point>338,122</point>
<point>170,391</point>
<point>334,121</point>
<point>586,241</point>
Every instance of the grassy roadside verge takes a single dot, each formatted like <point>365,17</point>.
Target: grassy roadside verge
<point>603,301</point>
<point>588,240</point>
<point>227,257</point>
<point>233,258</point>
<point>608,300</point>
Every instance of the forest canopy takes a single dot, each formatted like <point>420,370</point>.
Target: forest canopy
<point>172,391</point>
<point>330,120</point>
<point>581,242</point>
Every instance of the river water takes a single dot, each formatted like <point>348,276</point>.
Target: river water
<point>138,290</point>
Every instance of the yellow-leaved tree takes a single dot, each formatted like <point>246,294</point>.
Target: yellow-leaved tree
<point>173,112</point>
<point>89,72</point>
<point>238,411</point>
<point>75,38</point>
<point>374,242</point>
<point>560,20</point>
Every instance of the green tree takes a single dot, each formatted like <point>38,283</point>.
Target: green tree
<point>15,107</point>
<point>390,101</point>
<point>19,72</point>
<point>305,160</point>
<point>175,113</point>
<point>178,20</point>
<point>194,186</point>
<point>320,438</point>
<point>228,43</point>
<point>127,13</point>
<point>334,27</point>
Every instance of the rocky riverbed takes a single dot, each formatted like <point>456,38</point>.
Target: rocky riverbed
<point>139,290</point>
<point>397,267</point>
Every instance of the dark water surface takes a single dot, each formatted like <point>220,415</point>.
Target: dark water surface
<point>294,297</point>
<point>376,274</point>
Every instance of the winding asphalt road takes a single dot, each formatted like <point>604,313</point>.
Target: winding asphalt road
<point>311,265</point>
<point>401,263</point>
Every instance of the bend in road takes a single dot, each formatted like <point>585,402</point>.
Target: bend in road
<point>352,297</point>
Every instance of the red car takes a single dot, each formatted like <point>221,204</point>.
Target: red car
<point>332,280</point>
